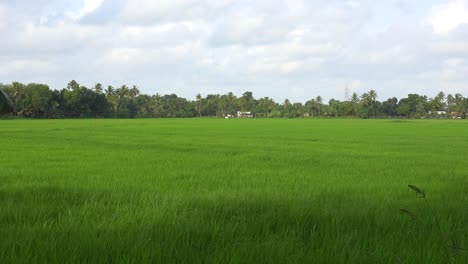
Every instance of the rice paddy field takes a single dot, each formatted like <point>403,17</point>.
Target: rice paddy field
<point>233,191</point>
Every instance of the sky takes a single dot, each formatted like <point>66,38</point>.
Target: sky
<point>296,49</point>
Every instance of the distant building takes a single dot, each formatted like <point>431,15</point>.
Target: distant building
<point>6,105</point>
<point>437,114</point>
<point>244,114</point>
<point>456,115</point>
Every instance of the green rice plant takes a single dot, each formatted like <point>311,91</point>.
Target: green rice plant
<point>419,192</point>
<point>231,191</point>
<point>451,247</point>
<point>408,212</point>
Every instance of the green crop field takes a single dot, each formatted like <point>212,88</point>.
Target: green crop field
<point>233,191</point>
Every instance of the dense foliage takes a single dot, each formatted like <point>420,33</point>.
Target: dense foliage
<point>77,101</point>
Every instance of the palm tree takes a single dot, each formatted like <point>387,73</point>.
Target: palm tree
<point>460,104</point>
<point>319,101</point>
<point>199,104</point>
<point>441,95</point>
<point>98,88</point>
<point>109,90</point>
<point>440,101</point>
<point>123,91</point>
<point>112,98</point>
<point>288,107</point>
<point>134,91</point>
<point>18,94</point>
<point>310,106</point>
<point>373,100</point>
<point>354,102</point>
<point>231,99</point>
<point>368,100</point>
<point>373,95</point>
<point>156,105</point>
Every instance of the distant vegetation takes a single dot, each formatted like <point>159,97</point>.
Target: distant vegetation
<point>77,101</point>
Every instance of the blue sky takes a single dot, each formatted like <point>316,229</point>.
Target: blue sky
<point>294,49</point>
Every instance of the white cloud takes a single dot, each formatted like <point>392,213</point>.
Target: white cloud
<point>447,17</point>
<point>449,46</point>
<point>454,62</point>
<point>3,13</point>
<point>17,67</point>
<point>150,11</point>
<point>165,34</point>
<point>293,49</point>
<point>89,6</point>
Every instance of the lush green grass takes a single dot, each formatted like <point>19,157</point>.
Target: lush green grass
<point>215,190</point>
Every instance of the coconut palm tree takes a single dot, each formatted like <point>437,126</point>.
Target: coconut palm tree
<point>18,94</point>
<point>134,92</point>
<point>113,99</point>
<point>373,95</point>
<point>439,101</point>
<point>310,106</point>
<point>123,92</point>
<point>288,107</point>
<point>199,104</point>
<point>460,104</point>
<point>98,88</point>
<point>368,100</point>
<point>354,102</point>
<point>319,102</point>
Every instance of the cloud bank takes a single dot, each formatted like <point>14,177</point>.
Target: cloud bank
<point>295,49</point>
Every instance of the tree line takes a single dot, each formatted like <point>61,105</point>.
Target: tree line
<point>77,101</point>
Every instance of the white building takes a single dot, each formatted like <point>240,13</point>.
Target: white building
<point>244,114</point>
